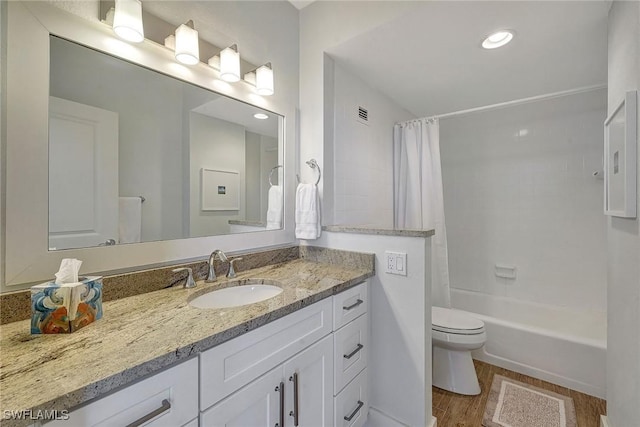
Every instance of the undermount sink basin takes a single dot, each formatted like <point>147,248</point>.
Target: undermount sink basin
<point>235,296</point>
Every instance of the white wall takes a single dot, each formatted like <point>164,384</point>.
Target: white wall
<point>323,25</point>
<point>519,190</point>
<point>220,145</point>
<point>623,238</point>
<point>268,159</point>
<point>400,353</point>
<point>363,153</point>
<point>252,173</point>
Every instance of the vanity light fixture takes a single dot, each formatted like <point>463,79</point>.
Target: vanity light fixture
<point>187,49</point>
<point>260,116</point>
<point>228,63</point>
<point>264,80</point>
<point>498,39</point>
<point>127,20</point>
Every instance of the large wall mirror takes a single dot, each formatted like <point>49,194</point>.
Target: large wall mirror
<point>94,124</point>
<point>138,156</point>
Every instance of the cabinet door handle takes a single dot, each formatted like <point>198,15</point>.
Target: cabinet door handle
<point>280,389</point>
<point>353,353</point>
<point>354,305</point>
<point>166,405</point>
<point>355,411</point>
<point>295,413</point>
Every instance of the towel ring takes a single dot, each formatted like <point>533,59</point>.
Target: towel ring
<point>313,165</point>
<point>271,173</point>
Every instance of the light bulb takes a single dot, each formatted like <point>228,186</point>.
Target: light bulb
<point>127,20</point>
<point>230,64</point>
<point>264,80</point>
<point>187,49</point>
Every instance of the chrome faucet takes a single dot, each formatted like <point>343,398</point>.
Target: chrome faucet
<point>189,283</point>
<point>232,271</point>
<point>211,277</point>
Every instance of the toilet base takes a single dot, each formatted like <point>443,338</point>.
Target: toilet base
<point>454,371</point>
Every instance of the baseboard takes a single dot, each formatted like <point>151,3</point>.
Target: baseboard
<point>380,419</point>
<point>604,421</point>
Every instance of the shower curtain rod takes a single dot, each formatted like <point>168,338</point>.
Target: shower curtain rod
<point>512,103</point>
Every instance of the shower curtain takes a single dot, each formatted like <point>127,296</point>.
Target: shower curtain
<point>418,196</point>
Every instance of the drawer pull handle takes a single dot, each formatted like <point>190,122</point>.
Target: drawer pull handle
<point>280,389</point>
<point>166,405</point>
<point>296,409</point>
<point>352,306</point>
<point>355,411</point>
<point>353,353</point>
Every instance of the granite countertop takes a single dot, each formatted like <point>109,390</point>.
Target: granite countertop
<point>365,229</point>
<point>251,223</point>
<point>144,334</point>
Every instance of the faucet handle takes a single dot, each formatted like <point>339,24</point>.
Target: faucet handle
<point>211,276</point>
<point>189,283</point>
<point>232,271</point>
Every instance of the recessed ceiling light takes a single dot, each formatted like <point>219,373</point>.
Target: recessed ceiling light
<point>497,39</point>
<point>260,116</point>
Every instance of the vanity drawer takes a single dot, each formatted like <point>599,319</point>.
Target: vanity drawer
<point>172,395</point>
<point>351,406</point>
<point>349,304</point>
<point>351,347</point>
<point>231,365</point>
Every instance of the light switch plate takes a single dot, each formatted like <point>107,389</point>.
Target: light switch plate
<point>396,263</point>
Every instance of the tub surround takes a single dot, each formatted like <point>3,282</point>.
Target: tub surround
<point>15,306</point>
<point>143,334</point>
<point>379,231</point>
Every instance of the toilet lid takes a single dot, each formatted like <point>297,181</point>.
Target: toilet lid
<point>455,321</point>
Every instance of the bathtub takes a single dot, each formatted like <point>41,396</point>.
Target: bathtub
<point>556,344</point>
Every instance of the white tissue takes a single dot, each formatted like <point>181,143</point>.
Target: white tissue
<point>68,272</point>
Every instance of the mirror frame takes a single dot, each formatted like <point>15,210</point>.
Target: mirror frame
<point>26,256</point>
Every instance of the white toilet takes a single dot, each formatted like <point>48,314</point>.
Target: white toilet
<point>454,334</point>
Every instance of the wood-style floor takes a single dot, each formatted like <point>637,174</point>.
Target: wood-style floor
<point>454,410</point>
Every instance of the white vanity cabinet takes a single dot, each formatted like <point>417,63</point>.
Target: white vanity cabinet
<point>351,353</point>
<point>295,351</point>
<point>306,369</point>
<point>296,393</point>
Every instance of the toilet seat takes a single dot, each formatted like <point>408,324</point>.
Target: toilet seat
<point>455,322</point>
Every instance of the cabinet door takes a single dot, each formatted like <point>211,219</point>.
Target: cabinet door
<point>256,405</point>
<point>309,390</point>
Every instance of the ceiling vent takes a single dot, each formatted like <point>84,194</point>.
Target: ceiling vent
<point>363,115</point>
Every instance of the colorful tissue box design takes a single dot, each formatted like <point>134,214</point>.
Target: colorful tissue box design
<point>62,309</point>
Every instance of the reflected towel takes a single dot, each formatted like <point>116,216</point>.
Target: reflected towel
<point>307,212</point>
<point>274,208</point>
<point>130,219</point>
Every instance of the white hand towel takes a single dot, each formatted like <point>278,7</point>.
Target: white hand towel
<point>274,208</point>
<point>130,219</point>
<point>307,212</point>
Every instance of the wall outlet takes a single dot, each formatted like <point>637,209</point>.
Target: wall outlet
<point>396,263</point>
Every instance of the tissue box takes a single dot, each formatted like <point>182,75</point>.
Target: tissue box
<point>62,309</point>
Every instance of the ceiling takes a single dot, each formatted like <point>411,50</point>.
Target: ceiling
<point>240,113</point>
<point>301,4</point>
<point>430,61</point>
